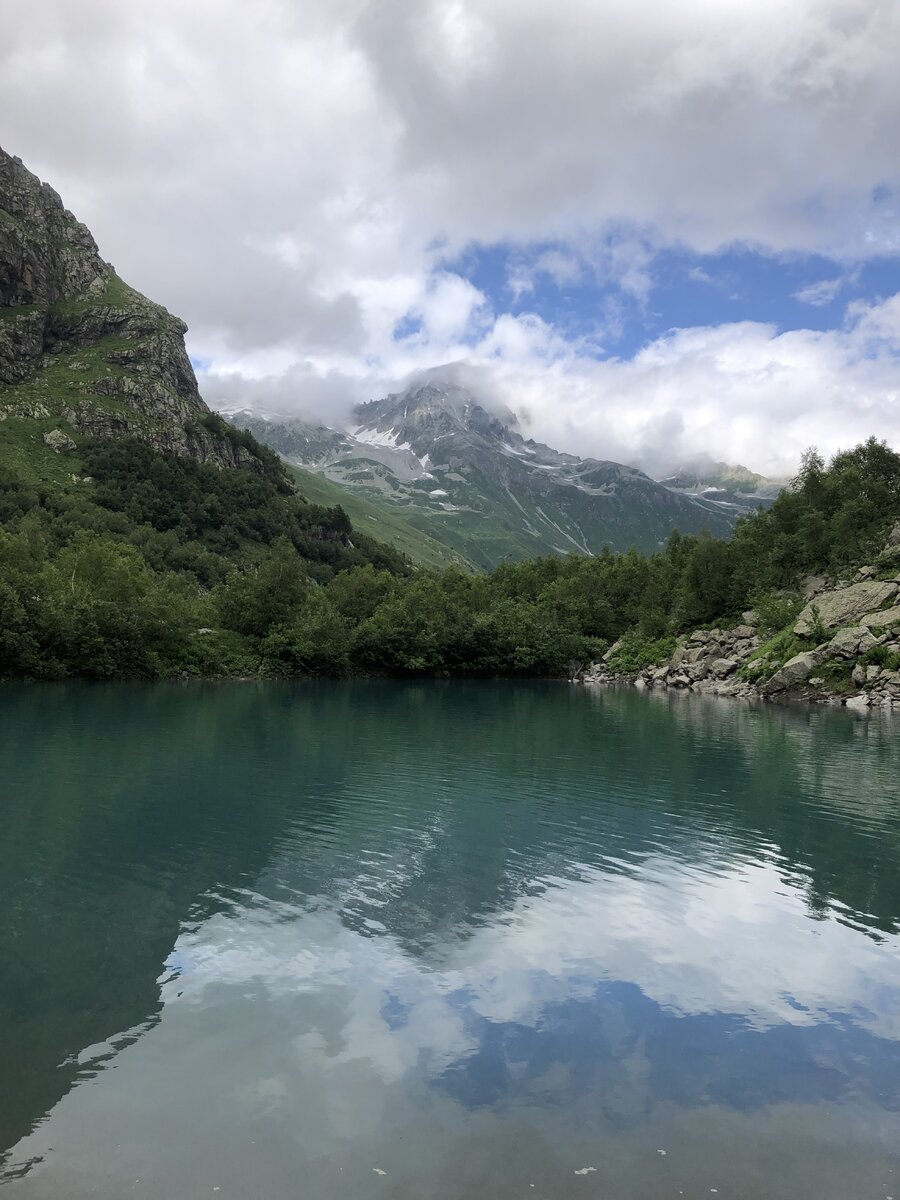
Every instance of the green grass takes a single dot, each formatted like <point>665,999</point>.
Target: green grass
<point>837,675</point>
<point>24,452</point>
<point>636,652</point>
<point>383,522</point>
<point>773,654</point>
<point>116,294</point>
<point>65,380</point>
<point>12,312</point>
<point>880,656</point>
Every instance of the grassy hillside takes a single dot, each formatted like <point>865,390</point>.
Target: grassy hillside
<point>381,521</point>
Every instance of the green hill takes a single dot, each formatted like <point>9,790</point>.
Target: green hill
<point>378,520</point>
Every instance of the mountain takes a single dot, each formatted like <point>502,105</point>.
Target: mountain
<point>379,519</point>
<point>83,355</point>
<point>470,481</point>
<point>730,485</point>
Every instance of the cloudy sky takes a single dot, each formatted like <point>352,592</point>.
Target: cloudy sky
<point>652,230</point>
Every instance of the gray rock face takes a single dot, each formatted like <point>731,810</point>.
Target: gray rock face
<point>843,605</point>
<point>612,651</point>
<point>720,667</point>
<point>851,642</point>
<point>59,441</point>
<point>883,618</point>
<point>811,585</point>
<point>107,361</point>
<point>796,670</point>
<point>891,549</point>
<point>744,631</point>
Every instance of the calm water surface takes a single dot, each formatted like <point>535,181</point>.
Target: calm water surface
<point>445,941</point>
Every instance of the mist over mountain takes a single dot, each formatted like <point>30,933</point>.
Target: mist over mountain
<point>468,477</point>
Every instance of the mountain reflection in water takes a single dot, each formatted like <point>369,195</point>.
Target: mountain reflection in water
<point>477,936</point>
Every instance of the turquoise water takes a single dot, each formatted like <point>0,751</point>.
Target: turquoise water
<point>445,941</point>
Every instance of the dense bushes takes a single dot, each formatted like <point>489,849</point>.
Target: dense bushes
<point>167,566</point>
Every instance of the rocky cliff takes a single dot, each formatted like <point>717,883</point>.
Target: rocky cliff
<point>82,354</point>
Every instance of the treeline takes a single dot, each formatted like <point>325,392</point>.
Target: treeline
<point>161,566</point>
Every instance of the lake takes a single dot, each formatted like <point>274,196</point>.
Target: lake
<point>446,940</point>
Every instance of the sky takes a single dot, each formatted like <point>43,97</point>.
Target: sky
<point>656,232</point>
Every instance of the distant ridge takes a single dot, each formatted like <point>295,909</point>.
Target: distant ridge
<point>469,480</point>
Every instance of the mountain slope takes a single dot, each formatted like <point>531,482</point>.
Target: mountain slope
<point>378,520</point>
<point>473,483</point>
<point>83,355</point>
<point>734,487</point>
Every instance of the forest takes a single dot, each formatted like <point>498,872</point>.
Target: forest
<point>152,566</point>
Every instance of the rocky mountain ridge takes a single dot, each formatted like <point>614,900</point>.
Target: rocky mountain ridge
<point>467,477</point>
<point>83,355</point>
<point>730,485</point>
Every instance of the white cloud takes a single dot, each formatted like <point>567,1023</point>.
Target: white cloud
<point>734,939</point>
<point>741,392</point>
<point>291,179</point>
<point>820,293</point>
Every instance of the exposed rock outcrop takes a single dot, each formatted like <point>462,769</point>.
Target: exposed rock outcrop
<point>796,670</point>
<point>81,350</point>
<point>851,642</point>
<point>883,619</point>
<point>842,605</point>
<point>59,441</point>
<point>734,662</point>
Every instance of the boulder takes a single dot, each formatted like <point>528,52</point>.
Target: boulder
<point>843,605</point>
<point>872,674</point>
<point>743,631</point>
<point>882,619</point>
<point>59,441</point>
<point>693,654</point>
<point>851,642</point>
<point>860,701</point>
<point>614,649</point>
<point>796,670</point>
<point>812,585</point>
<point>721,667</point>
<point>892,546</point>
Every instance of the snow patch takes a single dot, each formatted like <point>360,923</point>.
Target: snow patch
<point>375,437</point>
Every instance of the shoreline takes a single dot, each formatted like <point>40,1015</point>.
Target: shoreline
<point>863,702</point>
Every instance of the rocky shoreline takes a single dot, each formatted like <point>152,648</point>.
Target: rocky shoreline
<point>842,649</point>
